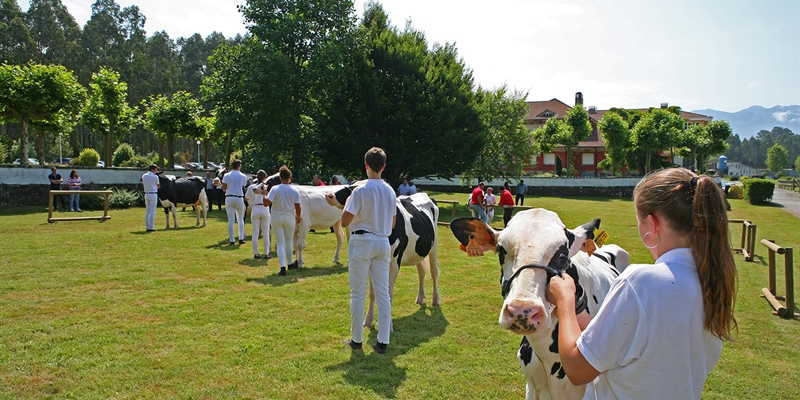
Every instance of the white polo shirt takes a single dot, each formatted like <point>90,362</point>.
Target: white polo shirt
<point>372,206</point>
<point>283,198</point>
<point>236,182</point>
<point>150,182</point>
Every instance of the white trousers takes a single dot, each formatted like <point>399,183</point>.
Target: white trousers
<point>259,218</point>
<point>368,255</point>
<point>234,207</point>
<point>150,205</point>
<point>283,226</point>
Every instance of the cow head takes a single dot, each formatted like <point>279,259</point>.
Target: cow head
<point>531,249</point>
<point>338,197</point>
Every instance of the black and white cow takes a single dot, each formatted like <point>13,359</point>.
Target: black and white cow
<point>531,249</point>
<point>183,192</point>
<point>414,241</point>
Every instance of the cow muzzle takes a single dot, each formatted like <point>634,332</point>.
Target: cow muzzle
<point>524,317</point>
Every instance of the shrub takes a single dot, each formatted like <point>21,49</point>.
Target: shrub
<point>765,174</point>
<point>779,175</point>
<point>734,178</point>
<point>123,153</point>
<point>88,158</point>
<point>137,162</point>
<point>758,191</point>
<point>745,177</point>
<point>121,198</point>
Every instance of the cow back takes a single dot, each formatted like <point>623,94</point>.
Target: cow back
<point>414,234</point>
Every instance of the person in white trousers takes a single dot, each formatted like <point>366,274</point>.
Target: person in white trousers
<point>285,202</point>
<point>370,212</point>
<point>260,215</point>
<point>151,186</point>
<point>233,184</point>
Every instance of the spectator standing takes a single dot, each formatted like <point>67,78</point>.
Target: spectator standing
<point>477,202</point>
<point>55,184</point>
<point>490,200</point>
<point>210,191</point>
<point>74,184</point>
<point>233,184</point>
<point>370,212</point>
<point>508,204</point>
<point>260,216</point>
<point>412,189</point>
<point>335,181</point>
<point>521,189</point>
<point>151,185</point>
<point>621,352</point>
<point>402,190</point>
<point>318,181</point>
<point>286,211</point>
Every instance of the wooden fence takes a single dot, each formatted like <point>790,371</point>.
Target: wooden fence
<point>102,218</point>
<point>771,293</point>
<point>748,244</point>
<point>788,185</point>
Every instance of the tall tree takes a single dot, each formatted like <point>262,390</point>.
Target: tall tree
<point>16,44</point>
<point>55,32</point>
<point>293,33</point>
<point>395,93</point>
<point>107,111</point>
<point>578,119</point>
<point>37,92</point>
<point>509,144</point>
<point>554,132</point>
<point>657,131</point>
<point>616,137</point>
<point>102,39</point>
<point>777,158</point>
<point>716,135</point>
<point>179,116</point>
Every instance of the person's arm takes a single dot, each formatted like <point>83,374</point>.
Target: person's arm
<point>561,292</point>
<point>267,202</point>
<point>347,218</point>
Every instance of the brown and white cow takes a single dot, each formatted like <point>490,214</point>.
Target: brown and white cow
<point>414,241</point>
<point>531,249</point>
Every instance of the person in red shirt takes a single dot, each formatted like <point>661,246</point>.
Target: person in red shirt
<point>318,181</point>
<point>477,202</point>
<point>507,201</point>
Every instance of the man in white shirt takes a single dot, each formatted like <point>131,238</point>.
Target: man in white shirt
<point>233,184</point>
<point>151,185</point>
<point>370,211</point>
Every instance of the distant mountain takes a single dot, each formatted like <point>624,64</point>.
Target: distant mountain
<point>748,122</point>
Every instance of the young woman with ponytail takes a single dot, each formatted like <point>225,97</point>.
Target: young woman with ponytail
<point>659,331</point>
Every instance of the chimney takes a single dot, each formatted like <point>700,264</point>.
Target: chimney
<point>592,110</point>
<point>578,98</point>
<point>664,105</point>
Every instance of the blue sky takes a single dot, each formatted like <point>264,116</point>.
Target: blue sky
<point>725,55</point>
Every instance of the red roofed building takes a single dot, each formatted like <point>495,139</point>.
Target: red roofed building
<point>589,151</point>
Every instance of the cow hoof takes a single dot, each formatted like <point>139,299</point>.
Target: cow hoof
<point>421,300</point>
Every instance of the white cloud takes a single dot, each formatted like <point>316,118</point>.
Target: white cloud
<point>753,85</point>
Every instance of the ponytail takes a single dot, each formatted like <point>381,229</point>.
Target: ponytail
<point>695,206</point>
<point>710,242</point>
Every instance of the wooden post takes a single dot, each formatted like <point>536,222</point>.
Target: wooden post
<point>771,264</point>
<point>103,218</point>
<point>788,271</point>
<point>771,293</point>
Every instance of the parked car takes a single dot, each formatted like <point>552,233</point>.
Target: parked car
<point>212,165</point>
<point>31,161</point>
<point>193,165</point>
<point>178,167</point>
<point>62,160</point>
<point>101,164</point>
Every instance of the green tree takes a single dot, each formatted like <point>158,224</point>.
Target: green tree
<point>616,137</point>
<point>797,163</point>
<point>715,142</point>
<point>179,116</point>
<point>123,153</point>
<point>777,158</point>
<point>107,111</point>
<point>509,144</point>
<point>102,40</point>
<point>16,44</point>
<point>658,130</point>
<point>578,120</point>
<point>55,33</point>
<point>550,134</point>
<point>691,139</point>
<point>396,93</point>
<point>37,92</point>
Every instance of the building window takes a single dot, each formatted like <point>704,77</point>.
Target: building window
<point>549,159</point>
<point>686,125</point>
<point>587,158</point>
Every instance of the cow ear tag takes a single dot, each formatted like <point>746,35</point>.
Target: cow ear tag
<point>473,249</point>
<point>589,246</point>
<point>600,237</point>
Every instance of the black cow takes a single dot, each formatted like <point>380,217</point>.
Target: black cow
<point>414,241</point>
<point>182,192</point>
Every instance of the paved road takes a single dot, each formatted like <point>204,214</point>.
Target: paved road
<point>788,200</point>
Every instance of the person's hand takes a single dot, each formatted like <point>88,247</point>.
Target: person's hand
<point>561,290</point>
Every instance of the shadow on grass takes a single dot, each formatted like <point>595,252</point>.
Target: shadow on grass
<point>292,276</point>
<point>378,372</point>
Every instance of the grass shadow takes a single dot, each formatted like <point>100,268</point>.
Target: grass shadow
<point>410,332</point>
<point>293,276</point>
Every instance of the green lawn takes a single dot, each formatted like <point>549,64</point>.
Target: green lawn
<point>103,310</point>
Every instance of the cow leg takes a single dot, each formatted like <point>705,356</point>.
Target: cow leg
<point>421,274</point>
<point>433,263</point>
<point>166,214</point>
<point>300,233</point>
<point>337,229</point>
<point>370,318</point>
<point>174,216</point>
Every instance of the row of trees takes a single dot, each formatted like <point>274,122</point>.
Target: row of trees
<point>753,150</point>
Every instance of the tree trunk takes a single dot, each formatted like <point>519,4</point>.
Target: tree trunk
<point>647,162</point>
<point>40,146</point>
<point>171,150</point>
<point>23,142</point>
<point>160,154</point>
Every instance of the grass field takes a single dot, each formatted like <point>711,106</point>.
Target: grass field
<point>103,310</point>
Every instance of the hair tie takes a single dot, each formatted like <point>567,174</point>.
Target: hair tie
<point>692,187</point>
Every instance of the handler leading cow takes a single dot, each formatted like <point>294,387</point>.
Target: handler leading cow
<point>534,247</point>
